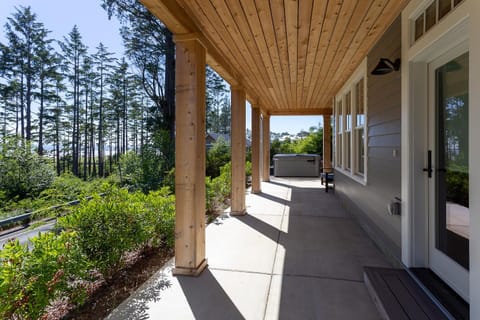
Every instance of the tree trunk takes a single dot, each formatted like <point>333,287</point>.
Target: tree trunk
<point>85,132</point>
<point>169,115</point>
<point>101,150</point>
<point>40,118</point>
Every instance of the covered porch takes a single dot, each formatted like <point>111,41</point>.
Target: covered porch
<point>297,255</point>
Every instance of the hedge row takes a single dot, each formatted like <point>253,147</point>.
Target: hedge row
<point>95,238</point>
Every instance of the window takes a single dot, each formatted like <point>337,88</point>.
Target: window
<point>430,16</point>
<point>350,126</point>
<point>360,127</point>
<point>348,131</point>
<point>338,136</point>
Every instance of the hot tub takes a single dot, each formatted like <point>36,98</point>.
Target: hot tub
<point>296,165</point>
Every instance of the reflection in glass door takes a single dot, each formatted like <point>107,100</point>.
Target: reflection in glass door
<point>448,170</point>
<point>453,216</point>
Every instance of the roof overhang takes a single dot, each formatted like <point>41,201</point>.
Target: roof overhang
<point>291,57</point>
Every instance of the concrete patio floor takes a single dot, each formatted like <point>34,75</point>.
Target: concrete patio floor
<point>297,254</point>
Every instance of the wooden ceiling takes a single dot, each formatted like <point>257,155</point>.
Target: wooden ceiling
<point>291,56</point>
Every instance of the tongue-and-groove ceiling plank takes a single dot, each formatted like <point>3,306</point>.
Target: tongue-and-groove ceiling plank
<point>292,56</point>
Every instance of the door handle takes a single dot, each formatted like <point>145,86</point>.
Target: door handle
<point>429,169</point>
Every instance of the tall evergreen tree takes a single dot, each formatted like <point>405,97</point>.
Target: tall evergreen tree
<point>103,60</point>
<point>73,52</point>
<point>48,74</point>
<point>26,39</point>
<point>149,45</point>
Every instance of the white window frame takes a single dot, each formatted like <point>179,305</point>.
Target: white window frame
<point>341,131</point>
<point>357,128</point>
<point>338,105</point>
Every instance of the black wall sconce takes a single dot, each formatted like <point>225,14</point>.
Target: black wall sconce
<point>385,66</point>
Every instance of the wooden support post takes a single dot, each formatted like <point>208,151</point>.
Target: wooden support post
<point>327,147</point>
<point>266,147</point>
<point>256,159</point>
<point>238,151</point>
<point>190,156</point>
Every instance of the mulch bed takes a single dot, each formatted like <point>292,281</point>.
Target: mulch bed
<point>121,285</point>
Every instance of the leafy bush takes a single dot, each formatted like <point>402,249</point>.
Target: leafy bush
<point>22,172</point>
<point>144,172</point>
<point>160,214</point>
<point>458,182</point>
<point>218,189</point>
<point>31,279</point>
<point>107,227</point>
<point>217,156</point>
<point>63,189</point>
<point>120,222</point>
<point>310,142</point>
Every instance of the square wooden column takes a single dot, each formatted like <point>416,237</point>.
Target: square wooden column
<point>266,147</point>
<point>327,138</point>
<point>256,159</point>
<point>190,156</point>
<point>238,151</point>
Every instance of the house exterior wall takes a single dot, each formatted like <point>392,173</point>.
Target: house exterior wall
<point>458,29</point>
<point>369,202</point>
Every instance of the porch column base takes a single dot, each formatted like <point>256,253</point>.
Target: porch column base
<point>192,272</point>
<point>238,213</point>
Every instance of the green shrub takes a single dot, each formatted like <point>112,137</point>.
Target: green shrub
<point>160,213</point>
<point>120,222</point>
<point>147,170</point>
<point>217,156</point>
<point>107,227</point>
<point>31,279</point>
<point>23,173</point>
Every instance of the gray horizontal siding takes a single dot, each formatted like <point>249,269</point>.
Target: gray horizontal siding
<point>369,202</point>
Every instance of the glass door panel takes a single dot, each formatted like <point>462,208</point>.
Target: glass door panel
<point>452,216</point>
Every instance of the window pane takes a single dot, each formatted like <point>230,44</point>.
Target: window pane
<point>419,27</point>
<point>348,111</point>
<point>360,104</point>
<point>361,151</point>
<point>444,7</point>
<point>430,16</point>
<point>348,148</point>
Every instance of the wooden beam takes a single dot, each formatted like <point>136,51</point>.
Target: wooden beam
<point>300,112</point>
<point>266,147</point>
<point>256,186</point>
<point>238,150</point>
<point>190,157</point>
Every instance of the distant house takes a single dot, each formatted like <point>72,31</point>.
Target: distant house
<point>212,137</point>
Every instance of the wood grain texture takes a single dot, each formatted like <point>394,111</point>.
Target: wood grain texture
<point>190,166</point>
<point>289,55</point>
<point>256,151</point>
<point>266,147</point>
<point>238,142</point>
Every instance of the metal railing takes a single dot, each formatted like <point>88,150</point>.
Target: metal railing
<point>27,217</point>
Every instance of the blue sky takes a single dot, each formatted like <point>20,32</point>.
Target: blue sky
<point>59,16</point>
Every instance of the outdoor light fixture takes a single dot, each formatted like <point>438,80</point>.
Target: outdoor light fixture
<point>385,66</point>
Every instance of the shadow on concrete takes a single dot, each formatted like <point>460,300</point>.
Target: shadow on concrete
<point>204,292</point>
<point>318,272</point>
<point>261,227</point>
<point>271,197</point>
<point>137,307</point>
